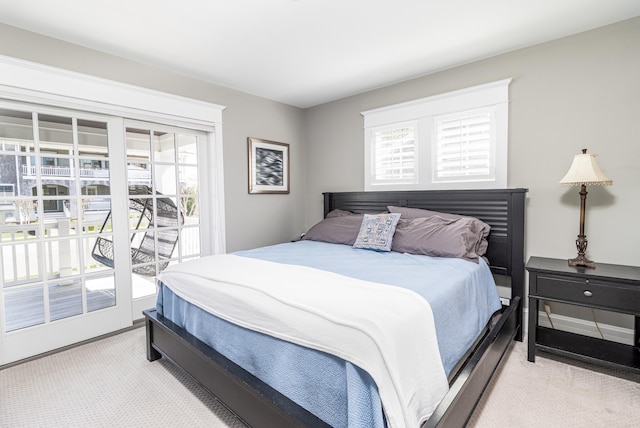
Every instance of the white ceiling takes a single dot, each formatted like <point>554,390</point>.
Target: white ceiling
<point>307,52</point>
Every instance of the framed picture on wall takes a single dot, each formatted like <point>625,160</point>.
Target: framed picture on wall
<point>268,166</point>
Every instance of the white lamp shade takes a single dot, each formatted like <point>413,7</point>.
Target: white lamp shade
<point>585,170</point>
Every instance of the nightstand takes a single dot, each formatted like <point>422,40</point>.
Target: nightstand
<point>609,287</point>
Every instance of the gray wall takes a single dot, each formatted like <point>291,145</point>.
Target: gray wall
<point>578,92</point>
<point>251,220</point>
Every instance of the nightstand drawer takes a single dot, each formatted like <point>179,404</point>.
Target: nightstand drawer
<point>589,292</point>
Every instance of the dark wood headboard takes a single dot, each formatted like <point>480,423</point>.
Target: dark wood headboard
<point>502,209</point>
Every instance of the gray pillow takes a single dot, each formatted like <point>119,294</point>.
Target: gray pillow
<point>478,227</point>
<point>341,213</point>
<point>437,236</point>
<point>339,227</point>
<point>376,232</point>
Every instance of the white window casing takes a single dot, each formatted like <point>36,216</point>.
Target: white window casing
<point>459,141</point>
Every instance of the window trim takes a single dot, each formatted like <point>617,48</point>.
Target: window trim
<point>31,82</point>
<point>424,111</point>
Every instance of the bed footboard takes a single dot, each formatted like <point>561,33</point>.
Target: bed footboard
<point>465,392</point>
<point>250,399</point>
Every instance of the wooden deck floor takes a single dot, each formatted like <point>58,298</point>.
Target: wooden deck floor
<point>25,308</point>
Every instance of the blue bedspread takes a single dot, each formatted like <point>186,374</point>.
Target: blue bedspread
<point>462,296</point>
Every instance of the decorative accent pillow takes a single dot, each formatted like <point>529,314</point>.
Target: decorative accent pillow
<point>479,228</point>
<point>376,232</point>
<point>339,227</point>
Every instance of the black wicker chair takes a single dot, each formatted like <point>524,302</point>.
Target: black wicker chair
<point>160,232</point>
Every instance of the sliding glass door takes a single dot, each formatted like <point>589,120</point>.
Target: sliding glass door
<point>164,199</point>
<point>52,212</point>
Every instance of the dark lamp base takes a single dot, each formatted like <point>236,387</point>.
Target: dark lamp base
<point>582,261</point>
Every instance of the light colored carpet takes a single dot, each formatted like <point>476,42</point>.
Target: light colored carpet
<point>557,392</point>
<point>110,383</point>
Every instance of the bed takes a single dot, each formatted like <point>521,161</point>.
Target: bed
<point>259,404</point>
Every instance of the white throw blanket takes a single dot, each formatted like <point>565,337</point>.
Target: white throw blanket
<point>387,331</point>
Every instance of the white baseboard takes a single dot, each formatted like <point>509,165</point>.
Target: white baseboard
<point>583,327</point>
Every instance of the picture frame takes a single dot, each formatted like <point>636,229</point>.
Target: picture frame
<point>268,166</point>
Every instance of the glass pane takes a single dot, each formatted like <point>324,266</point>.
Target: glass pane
<point>190,241</point>
<point>55,167</point>
<point>65,299</point>
<point>20,263</point>
<point>15,125</point>
<point>147,271</point>
<point>23,211</point>
<point>167,213</point>
<point>141,212</point>
<point>18,232</point>
<point>188,177</point>
<point>142,247</point>
<point>23,308</point>
<point>96,171</point>
<point>56,135</point>
<point>92,138</point>
<point>143,285</point>
<point>101,293</point>
<point>139,174</point>
<point>60,226</point>
<point>62,257</point>
<point>138,145</point>
<point>187,149</point>
<point>95,255</point>
<point>164,147</point>
<point>95,215</point>
<point>165,179</point>
<point>190,209</point>
<point>101,253</point>
<point>9,213</point>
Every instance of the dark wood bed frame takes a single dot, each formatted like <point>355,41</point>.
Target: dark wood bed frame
<point>259,405</point>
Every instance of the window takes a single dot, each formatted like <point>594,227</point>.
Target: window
<point>463,144</point>
<point>394,153</point>
<point>6,190</point>
<point>448,141</point>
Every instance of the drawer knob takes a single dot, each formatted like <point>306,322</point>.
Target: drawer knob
<point>588,293</point>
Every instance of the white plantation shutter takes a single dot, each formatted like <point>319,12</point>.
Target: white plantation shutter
<point>394,155</point>
<point>463,149</point>
<point>454,140</point>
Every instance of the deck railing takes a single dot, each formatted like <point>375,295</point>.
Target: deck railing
<point>64,171</point>
<point>21,248</point>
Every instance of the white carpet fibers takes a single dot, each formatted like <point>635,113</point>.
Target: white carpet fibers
<point>557,392</point>
<point>110,383</point>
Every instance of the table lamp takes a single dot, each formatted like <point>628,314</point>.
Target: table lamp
<point>584,170</point>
